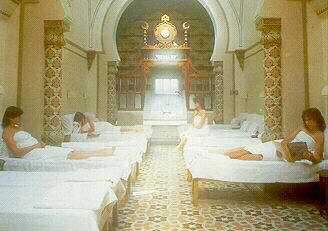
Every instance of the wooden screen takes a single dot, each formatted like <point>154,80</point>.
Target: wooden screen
<point>204,87</point>
<point>130,94</point>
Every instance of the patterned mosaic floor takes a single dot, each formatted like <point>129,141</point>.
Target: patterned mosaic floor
<point>223,206</point>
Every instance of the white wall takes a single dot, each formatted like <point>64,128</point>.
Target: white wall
<point>292,59</point>
<point>9,37</point>
<point>3,33</point>
<point>318,61</point>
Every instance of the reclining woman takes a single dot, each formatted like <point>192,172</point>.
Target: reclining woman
<point>199,125</point>
<point>22,145</point>
<point>86,125</point>
<point>311,132</point>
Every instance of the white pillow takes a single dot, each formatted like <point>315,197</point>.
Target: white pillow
<point>253,129</point>
<point>4,152</point>
<point>244,126</point>
<point>325,146</point>
<point>67,124</point>
<point>235,122</point>
<point>261,127</point>
<point>92,116</point>
<point>260,135</point>
<point>1,129</point>
<point>242,117</point>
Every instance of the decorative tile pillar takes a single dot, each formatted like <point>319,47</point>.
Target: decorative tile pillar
<point>271,40</point>
<point>111,92</point>
<point>218,93</point>
<point>53,44</point>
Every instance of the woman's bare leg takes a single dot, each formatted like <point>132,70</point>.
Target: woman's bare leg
<point>251,157</point>
<point>182,143</point>
<point>85,155</point>
<point>125,129</point>
<point>236,153</point>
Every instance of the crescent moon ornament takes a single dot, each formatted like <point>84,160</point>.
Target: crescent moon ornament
<point>145,26</point>
<point>185,25</point>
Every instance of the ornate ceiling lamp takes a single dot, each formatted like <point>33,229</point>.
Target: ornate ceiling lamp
<point>165,33</point>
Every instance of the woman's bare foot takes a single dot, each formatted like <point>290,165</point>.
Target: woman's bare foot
<point>109,151</point>
<point>178,149</point>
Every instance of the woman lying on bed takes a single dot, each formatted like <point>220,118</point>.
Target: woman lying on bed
<point>86,125</point>
<point>311,132</point>
<point>22,145</point>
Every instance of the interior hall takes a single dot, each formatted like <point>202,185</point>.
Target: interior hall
<point>163,115</point>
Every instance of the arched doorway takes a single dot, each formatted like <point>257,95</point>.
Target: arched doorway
<point>145,58</point>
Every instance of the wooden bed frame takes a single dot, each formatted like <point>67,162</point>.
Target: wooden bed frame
<point>108,219</point>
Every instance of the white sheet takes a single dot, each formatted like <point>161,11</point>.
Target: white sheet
<point>122,140</point>
<point>223,169</point>
<point>105,127</point>
<point>222,133</point>
<point>222,143</point>
<point>50,179</point>
<point>78,195</point>
<point>123,152</point>
<point>17,213</point>
<point>114,163</point>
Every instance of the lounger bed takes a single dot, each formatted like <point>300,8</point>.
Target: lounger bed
<point>33,205</point>
<point>221,168</point>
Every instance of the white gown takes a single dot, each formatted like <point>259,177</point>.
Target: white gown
<point>196,132</point>
<point>24,139</point>
<point>268,149</point>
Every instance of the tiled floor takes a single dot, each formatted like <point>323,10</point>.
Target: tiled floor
<point>223,206</point>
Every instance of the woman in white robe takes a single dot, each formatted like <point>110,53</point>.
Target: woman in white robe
<point>22,145</point>
<point>199,126</point>
<point>87,125</point>
<point>311,132</point>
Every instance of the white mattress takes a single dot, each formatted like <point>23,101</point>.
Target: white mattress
<point>17,212</point>
<point>222,143</point>
<point>114,163</point>
<point>50,179</point>
<point>216,167</point>
<point>222,133</point>
<point>221,126</point>
<point>127,153</point>
<point>122,141</point>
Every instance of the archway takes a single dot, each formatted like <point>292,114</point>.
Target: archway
<point>104,25</point>
<point>187,48</point>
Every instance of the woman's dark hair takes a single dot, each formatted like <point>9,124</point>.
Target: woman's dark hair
<point>11,113</point>
<point>315,114</point>
<point>78,117</point>
<point>200,101</point>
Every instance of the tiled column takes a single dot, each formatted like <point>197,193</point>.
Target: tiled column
<point>111,92</point>
<point>53,44</point>
<point>219,92</point>
<point>271,40</point>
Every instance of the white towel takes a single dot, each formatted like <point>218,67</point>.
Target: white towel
<point>84,146</point>
<point>78,195</point>
<point>109,175</point>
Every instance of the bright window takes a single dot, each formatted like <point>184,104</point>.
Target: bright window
<point>166,86</point>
